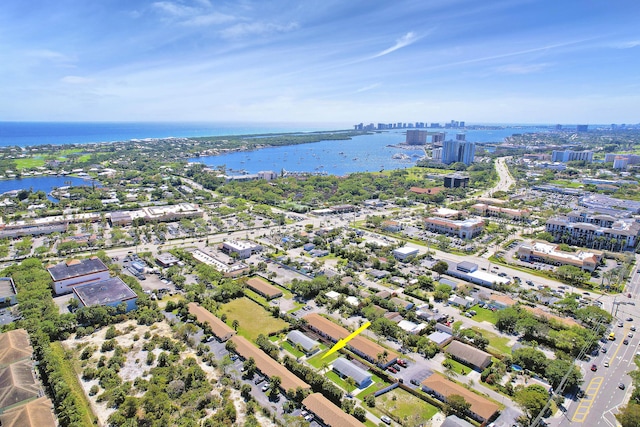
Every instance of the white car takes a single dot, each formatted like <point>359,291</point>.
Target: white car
<point>606,363</point>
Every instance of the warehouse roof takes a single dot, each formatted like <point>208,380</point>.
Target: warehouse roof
<point>104,292</point>
<point>76,268</point>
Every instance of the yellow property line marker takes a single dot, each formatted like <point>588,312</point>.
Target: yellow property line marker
<point>343,341</point>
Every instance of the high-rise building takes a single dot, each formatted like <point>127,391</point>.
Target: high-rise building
<point>416,137</point>
<point>570,155</point>
<point>460,137</point>
<point>458,151</point>
<point>582,128</point>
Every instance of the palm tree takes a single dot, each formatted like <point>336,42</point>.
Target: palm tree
<point>351,384</point>
<point>235,324</point>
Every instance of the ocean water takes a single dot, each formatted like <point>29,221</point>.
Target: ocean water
<point>24,134</point>
<point>43,183</point>
<point>366,153</point>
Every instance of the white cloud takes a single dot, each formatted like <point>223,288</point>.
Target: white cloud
<point>369,87</point>
<point>404,41</point>
<point>522,68</point>
<point>256,28</point>
<point>209,19</point>
<point>76,80</point>
<point>627,45</point>
<point>50,55</point>
<point>174,9</point>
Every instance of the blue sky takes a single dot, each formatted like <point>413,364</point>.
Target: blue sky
<point>482,61</point>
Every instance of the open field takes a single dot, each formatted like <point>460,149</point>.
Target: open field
<point>497,343</point>
<point>404,405</point>
<point>485,315</point>
<point>252,318</point>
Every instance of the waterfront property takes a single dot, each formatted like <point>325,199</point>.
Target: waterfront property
<point>75,272</point>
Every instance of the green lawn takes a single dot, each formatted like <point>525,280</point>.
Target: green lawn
<point>29,163</point>
<point>252,318</point>
<point>565,183</point>
<point>485,315</point>
<point>406,406</point>
<point>317,361</point>
<point>496,342</point>
<point>291,349</point>
<point>458,367</point>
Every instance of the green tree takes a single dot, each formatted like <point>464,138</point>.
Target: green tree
<point>440,267</point>
<point>457,405</point>
<point>532,400</point>
<point>629,415</point>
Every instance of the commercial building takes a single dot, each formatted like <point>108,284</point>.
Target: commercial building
<point>456,180</point>
<point>570,155</point>
<point>346,369</point>
<point>36,413</point>
<point>232,270</point>
<point>203,316</point>
<point>405,252</point>
<point>268,366</point>
<point>469,272</point>
<point>464,229</point>
<point>327,413</point>
<point>497,211</point>
<point>75,272</point>
<point>469,355</point>
<point>166,259</point>
<point>308,345</point>
<point>110,292</point>
<point>242,249</point>
<point>458,151</point>
<point>263,288</point>
<point>550,254</point>
<point>595,231</point>
<point>602,203</point>
<point>481,409</point>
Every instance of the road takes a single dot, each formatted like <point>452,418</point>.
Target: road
<point>505,181</point>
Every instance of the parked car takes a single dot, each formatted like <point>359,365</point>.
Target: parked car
<point>265,387</point>
<point>621,386</point>
<point>594,368</point>
<point>392,370</point>
<point>385,419</point>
